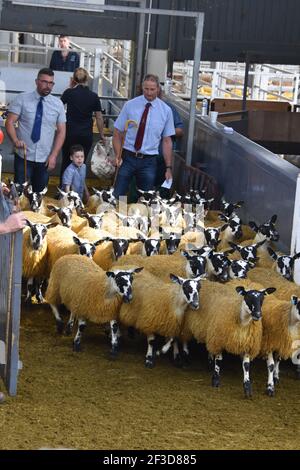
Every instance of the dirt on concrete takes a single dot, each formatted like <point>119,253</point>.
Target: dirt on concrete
<point>87,401</point>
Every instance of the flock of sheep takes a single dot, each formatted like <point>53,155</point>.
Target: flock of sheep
<point>165,267</point>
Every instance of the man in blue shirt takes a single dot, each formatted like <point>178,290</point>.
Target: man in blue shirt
<point>65,60</point>
<point>137,155</point>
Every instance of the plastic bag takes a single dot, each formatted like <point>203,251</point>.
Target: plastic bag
<point>102,159</point>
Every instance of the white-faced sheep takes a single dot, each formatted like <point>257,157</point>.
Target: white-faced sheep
<point>35,258</point>
<point>89,293</point>
<point>224,323</point>
<point>158,307</point>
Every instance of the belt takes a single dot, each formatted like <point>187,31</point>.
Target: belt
<point>137,154</point>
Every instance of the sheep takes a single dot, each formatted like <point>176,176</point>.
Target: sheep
<point>281,328</point>
<point>228,208</point>
<point>60,242</point>
<point>89,293</point>
<point>266,231</point>
<point>236,328</point>
<point>161,314</point>
<point>284,264</point>
<point>35,258</point>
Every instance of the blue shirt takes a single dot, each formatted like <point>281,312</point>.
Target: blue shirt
<point>69,64</point>
<point>159,123</point>
<point>24,106</point>
<point>75,177</point>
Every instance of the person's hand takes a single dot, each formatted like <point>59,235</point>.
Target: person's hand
<point>102,139</point>
<point>19,144</point>
<point>14,222</point>
<point>5,189</point>
<point>118,162</point>
<point>51,162</point>
<point>168,174</point>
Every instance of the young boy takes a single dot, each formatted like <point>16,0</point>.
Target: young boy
<point>74,175</point>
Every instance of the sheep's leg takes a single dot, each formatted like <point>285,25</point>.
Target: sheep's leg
<point>59,321</point>
<point>176,354</point>
<point>270,366</point>
<point>211,361</point>
<point>149,361</point>
<point>114,329</point>
<point>38,291</point>
<point>276,369</point>
<point>77,339</point>
<point>70,324</point>
<point>30,290</point>
<point>185,353</point>
<point>246,371</point>
<point>217,369</point>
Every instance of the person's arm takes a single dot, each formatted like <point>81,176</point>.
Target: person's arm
<point>168,154</point>
<point>178,132</point>
<point>11,130</point>
<point>57,145</point>
<point>13,223</point>
<point>100,124</point>
<point>117,142</point>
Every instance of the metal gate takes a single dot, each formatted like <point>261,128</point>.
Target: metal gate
<point>10,299</point>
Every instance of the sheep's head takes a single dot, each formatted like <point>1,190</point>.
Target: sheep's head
<point>122,282</point>
<point>253,300</point>
<point>190,289</point>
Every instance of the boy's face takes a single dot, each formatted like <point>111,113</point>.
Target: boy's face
<point>77,158</point>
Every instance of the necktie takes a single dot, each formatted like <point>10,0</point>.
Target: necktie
<point>141,129</point>
<point>36,130</point>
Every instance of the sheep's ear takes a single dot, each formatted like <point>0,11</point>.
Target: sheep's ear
<point>61,191</point>
<point>51,224</point>
<point>260,243</point>
<point>223,217</point>
<point>110,274</point>
<point>240,290</point>
<point>98,242</point>
<point>52,208</point>
<point>239,204</point>
<point>273,219</point>
<point>44,191</point>
<point>29,223</point>
<point>224,227</point>
<point>253,226</point>
<point>138,270</point>
<point>176,279</point>
<point>77,241</point>
<point>296,256</point>
<point>185,254</point>
<point>294,300</point>
<point>233,246</point>
<point>269,290</point>
<point>272,254</point>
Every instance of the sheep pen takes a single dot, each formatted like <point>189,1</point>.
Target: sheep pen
<point>86,401</point>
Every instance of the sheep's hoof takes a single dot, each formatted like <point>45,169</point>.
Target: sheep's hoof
<point>76,346</point>
<point>59,326</point>
<point>68,330</point>
<point>114,352</point>
<point>178,362</point>
<point>28,301</point>
<point>270,392</point>
<point>149,362</point>
<point>186,359</point>
<point>215,381</point>
<point>247,389</point>
<point>131,332</point>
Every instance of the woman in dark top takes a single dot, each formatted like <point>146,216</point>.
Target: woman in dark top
<point>81,104</point>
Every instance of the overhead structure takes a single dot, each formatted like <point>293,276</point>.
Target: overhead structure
<point>198,18</point>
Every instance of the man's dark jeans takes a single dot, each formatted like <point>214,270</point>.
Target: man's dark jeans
<point>144,170</point>
<point>37,173</point>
